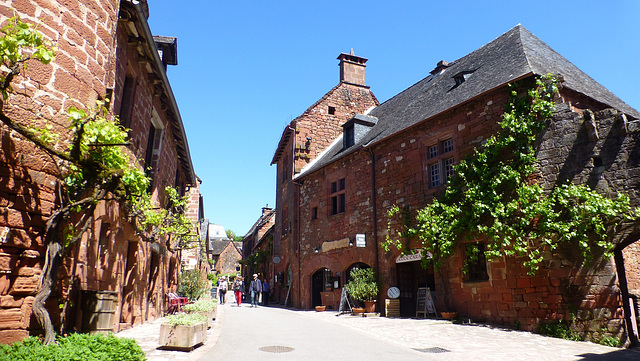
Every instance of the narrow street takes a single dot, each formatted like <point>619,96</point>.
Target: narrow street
<point>267,333</point>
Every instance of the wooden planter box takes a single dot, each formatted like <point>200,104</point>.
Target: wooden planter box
<point>181,336</point>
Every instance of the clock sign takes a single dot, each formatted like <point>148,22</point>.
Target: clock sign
<point>393,292</point>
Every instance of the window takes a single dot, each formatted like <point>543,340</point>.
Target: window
<point>434,175</point>
<point>433,151</point>
<point>349,136</point>
<point>448,168</point>
<point>126,104</point>
<point>332,110</point>
<point>314,213</point>
<point>462,77</point>
<point>440,169</point>
<point>338,198</point>
<point>447,145</point>
<point>154,145</point>
<point>475,263</point>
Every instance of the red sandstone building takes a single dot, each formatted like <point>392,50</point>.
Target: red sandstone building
<point>333,193</point>
<point>105,48</point>
<point>302,141</point>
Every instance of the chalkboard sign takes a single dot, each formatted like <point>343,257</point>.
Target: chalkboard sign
<point>424,303</point>
<point>344,302</point>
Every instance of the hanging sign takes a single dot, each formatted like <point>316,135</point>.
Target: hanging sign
<point>415,256</point>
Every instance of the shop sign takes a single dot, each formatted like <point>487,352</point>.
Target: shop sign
<point>361,240</point>
<point>415,256</point>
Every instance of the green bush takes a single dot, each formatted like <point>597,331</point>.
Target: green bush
<point>363,285</point>
<point>192,284</point>
<point>74,347</point>
<point>200,305</point>
<point>558,329</point>
<point>213,278</point>
<point>186,319</point>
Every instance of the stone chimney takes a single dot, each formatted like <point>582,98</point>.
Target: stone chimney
<point>352,68</point>
<point>442,64</point>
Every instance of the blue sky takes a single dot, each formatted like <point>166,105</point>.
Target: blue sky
<point>247,68</point>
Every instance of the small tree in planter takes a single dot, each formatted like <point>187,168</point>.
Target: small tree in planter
<point>363,287</point>
<point>192,284</point>
<point>183,331</point>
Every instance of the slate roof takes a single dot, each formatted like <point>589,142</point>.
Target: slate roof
<point>217,232</point>
<point>514,55</point>
<point>218,246</point>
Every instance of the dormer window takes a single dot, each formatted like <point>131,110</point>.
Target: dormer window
<point>462,76</point>
<point>349,136</point>
<point>356,128</point>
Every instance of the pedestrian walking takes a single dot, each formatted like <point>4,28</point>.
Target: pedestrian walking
<point>255,288</point>
<point>266,289</point>
<point>223,285</point>
<point>238,289</point>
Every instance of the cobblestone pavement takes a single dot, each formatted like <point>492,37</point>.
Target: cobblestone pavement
<point>437,339</point>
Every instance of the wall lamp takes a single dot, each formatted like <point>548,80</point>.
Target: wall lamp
<point>316,250</point>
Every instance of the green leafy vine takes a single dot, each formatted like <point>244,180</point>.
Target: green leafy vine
<point>495,197</point>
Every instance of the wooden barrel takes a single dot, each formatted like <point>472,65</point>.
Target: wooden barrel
<point>99,308</point>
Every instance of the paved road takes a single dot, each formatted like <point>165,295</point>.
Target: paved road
<point>240,333</point>
<point>254,333</point>
<point>266,333</point>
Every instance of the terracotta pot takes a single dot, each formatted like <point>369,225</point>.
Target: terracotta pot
<point>369,306</point>
<point>321,308</point>
<point>357,310</point>
<point>449,315</point>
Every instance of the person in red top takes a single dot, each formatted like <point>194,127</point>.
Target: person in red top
<point>238,289</point>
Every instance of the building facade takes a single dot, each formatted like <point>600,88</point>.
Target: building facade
<point>105,50</point>
<point>402,153</point>
<point>302,141</point>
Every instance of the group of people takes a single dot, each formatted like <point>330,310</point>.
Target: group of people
<point>257,290</point>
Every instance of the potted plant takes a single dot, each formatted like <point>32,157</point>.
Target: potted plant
<point>207,308</point>
<point>183,331</point>
<point>363,287</point>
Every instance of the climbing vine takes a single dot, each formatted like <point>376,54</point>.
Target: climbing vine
<point>494,196</point>
<point>93,167</point>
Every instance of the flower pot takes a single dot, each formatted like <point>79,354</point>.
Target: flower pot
<point>321,308</point>
<point>357,310</point>
<point>449,315</point>
<point>182,336</point>
<point>370,306</point>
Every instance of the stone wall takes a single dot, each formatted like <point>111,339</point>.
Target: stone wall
<point>93,55</point>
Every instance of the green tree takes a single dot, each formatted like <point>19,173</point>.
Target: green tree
<point>93,167</point>
<point>232,236</point>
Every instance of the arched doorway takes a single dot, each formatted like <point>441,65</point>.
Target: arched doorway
<point>411,276</point>
<point>347,274</point>
<point>320,280</point>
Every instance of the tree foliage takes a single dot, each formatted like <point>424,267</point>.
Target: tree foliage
<point>94,166</point>
<point>494,196</point>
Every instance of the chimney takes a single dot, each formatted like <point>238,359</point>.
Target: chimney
<point>352,68</point>
<point>442,64</point>
<point>266,210</point>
